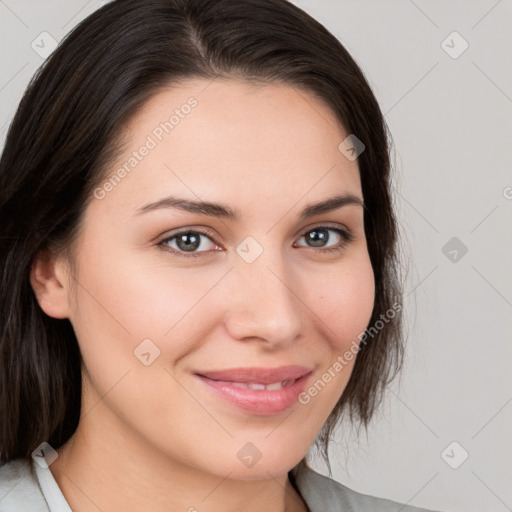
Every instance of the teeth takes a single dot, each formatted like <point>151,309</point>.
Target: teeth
<point>260,387</point>
<point>255,385</point>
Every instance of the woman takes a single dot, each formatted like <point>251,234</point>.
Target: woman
<point>177,179</point>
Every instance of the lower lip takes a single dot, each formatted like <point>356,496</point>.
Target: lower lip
<point>255,401</point>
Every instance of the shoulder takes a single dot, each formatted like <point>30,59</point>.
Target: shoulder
<point>19,489</point>
<point>324,494</point>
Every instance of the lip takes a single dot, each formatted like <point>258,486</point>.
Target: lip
<point>260,402</point>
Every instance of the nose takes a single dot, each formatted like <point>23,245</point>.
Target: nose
<point>263,305</point>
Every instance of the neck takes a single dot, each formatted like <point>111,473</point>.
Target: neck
<point>103,468</point>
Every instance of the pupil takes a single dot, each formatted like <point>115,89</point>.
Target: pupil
<point>317,237</point>
<point>186,245</point>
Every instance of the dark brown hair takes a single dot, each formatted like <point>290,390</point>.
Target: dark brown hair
<point>62,139</point>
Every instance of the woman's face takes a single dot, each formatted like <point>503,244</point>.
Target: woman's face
<point>265,289</point>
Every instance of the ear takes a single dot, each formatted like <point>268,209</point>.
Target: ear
<point>49,279</point>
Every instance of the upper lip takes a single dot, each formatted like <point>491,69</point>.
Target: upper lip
<point>259,375</point>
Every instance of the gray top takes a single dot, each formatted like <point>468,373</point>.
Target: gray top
<point>27,487</point>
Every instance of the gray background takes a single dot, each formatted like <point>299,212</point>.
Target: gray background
<point>451,120</point>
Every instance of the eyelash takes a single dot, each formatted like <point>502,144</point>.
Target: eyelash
<point>345,234</point>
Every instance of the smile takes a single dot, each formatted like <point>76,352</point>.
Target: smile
<point>260,391</point>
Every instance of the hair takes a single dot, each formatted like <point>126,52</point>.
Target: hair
<point>66,132</point>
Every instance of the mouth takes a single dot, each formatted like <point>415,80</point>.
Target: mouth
<point>260,391</point>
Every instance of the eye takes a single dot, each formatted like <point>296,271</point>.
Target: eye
<point>188,242</point>
<point>319,236</point>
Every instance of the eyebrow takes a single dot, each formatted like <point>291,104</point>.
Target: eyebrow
<point>224,211</point>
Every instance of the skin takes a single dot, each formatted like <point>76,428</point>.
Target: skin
<point>153,437</point>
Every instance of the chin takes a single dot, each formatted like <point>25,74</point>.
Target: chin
<point>260,471</point>
<point>275,464</point>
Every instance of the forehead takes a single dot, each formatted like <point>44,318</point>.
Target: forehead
<point>231,141</point>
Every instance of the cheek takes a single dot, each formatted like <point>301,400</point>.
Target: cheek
<point>346,303</point>
<point>123,301</point>
<point>345,307</point>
